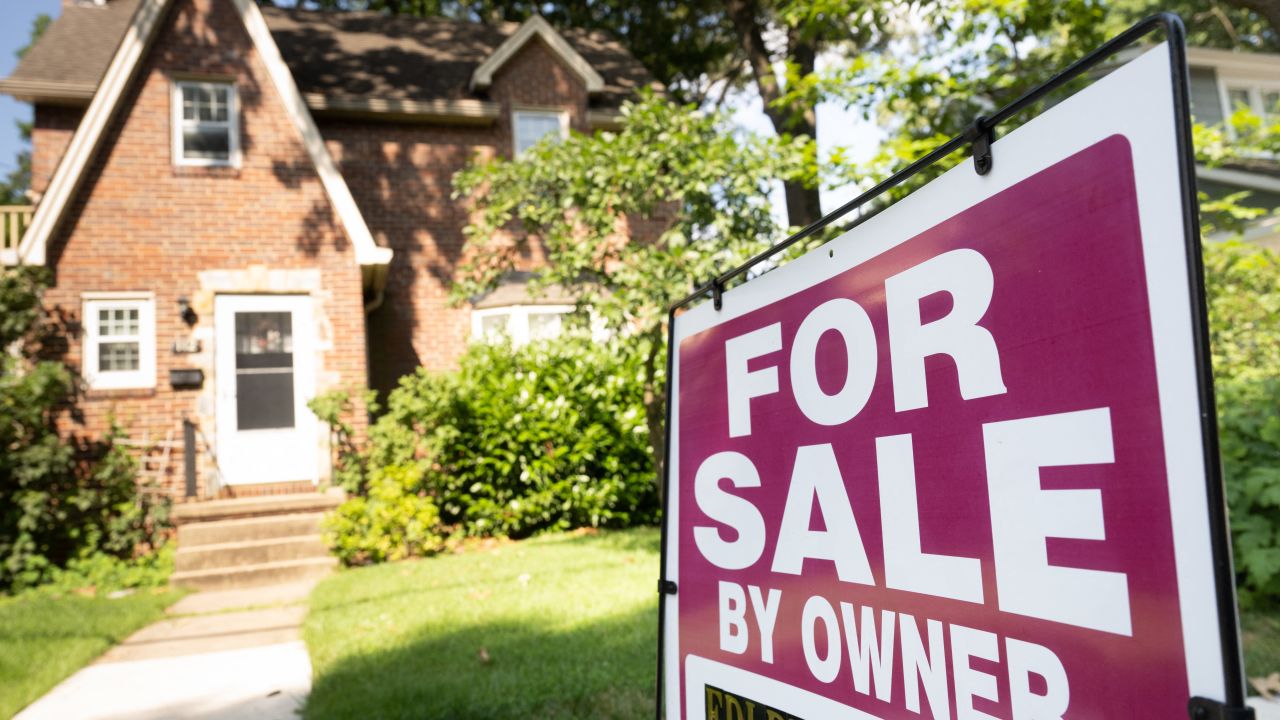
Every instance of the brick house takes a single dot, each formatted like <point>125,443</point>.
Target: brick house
<point>244,207</point>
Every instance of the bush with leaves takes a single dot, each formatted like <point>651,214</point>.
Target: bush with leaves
<point>1244,303</point>
<point>62,500</point>
<point>335,409</point>
<point>548,436</point>
<point>396,520</point>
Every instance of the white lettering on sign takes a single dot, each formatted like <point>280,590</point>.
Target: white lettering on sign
<point>968,643</point>
<point>818,610</point>
<point>906,567</point>
<point>729,509</point>
<point>924,667</point>
<point>848,320</point>
<point>733,618</point>
<point>817,477</point>
<point>766,612</point>
<point>870,652</point>
<point>744,384</point>
<point>966,276</point>
<point>1023,515</point>
<point>1027,659</point>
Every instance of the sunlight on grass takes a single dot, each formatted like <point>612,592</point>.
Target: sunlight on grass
<point>44,639</point>
<point>563,626</point>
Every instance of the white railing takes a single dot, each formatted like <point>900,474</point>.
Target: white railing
<point>14,220</point>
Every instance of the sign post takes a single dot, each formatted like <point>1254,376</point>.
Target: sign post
<point>961,461</point>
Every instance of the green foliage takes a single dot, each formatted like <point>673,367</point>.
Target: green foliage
<point>102,574</point>
<point>61,500</point>
<point>548,436</point>
<point>335,409</point>
<point>1244,301</point>
<point>396,520</point>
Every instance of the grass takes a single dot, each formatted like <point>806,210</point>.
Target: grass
<point>1261,634</point>
<point>557,627</point>
<point>44,638</point>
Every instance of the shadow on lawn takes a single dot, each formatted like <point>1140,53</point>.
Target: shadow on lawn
<point>602,671</point>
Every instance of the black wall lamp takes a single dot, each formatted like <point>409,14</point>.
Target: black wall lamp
<point>188,315</point>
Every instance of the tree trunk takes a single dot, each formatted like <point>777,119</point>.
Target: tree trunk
<point>796,119</point>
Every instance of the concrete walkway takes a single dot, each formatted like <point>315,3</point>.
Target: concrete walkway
<point>219,656</point>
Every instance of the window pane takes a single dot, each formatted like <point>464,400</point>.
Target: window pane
<point>1270,102</point>
<point>264,370</point>
<point>220,103</point>
<point>118,357</point>
<point>544,325</point>
<point>118,321</point>
<point>531,128</point>
<point>494,326</point>
<point>1238,97</point>
<point>206,143</point>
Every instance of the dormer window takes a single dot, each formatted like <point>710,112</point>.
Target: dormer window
<point>530,126</point>
<point>206,131</point>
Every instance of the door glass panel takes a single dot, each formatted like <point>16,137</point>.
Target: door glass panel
<point>264,370</point>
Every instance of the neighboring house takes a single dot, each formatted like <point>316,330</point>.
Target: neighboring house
<point>245,207</point>
<point>1222,81</point>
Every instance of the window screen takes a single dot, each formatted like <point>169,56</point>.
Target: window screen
<point>264,370</point>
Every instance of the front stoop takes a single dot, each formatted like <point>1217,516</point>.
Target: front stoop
<point>246,542</point>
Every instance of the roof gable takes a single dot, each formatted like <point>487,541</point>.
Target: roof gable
<point>106,103</point>
<point>536,27</point>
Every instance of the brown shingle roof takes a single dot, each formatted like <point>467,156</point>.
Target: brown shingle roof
<point>338,54</point>
<point>78,46</point>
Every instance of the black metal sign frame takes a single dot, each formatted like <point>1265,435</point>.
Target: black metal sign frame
<point>980,136</point>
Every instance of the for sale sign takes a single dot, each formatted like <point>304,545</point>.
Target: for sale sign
<point>951,464</point>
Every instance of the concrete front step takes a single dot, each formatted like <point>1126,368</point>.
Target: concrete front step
<point>250,552</point>
<point>266,527</point>
<point>268,573</point>
<point>212,510</point>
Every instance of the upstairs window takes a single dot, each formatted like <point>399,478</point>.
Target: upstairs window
<point>206,130</point>
<point>530,126</point>
<point>119,341</point>
<point>1262,99</point>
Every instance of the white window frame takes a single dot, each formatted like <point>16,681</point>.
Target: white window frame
<point>142,378</point>
<point>560,115</point>
<point>1254,87</point>
<point>233,124</point>
<point>518,320</point>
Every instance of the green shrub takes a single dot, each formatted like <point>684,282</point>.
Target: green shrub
<point>335,409</point>
<point>104,574</point>
<point>395,521</point>
<point>1243,289</point>
<point>61,499</point>
<point>548,436</point>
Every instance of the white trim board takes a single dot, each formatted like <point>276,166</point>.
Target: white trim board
<point>535,27</point>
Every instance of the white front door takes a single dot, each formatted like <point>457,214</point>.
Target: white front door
<point>265,374</point>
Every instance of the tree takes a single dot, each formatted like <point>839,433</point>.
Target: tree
<point>14,187</point>
<point>702,188</point>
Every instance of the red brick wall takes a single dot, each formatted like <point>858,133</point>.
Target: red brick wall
<point>51,131</point>
<point>141,224</point>
<point>402,179</point>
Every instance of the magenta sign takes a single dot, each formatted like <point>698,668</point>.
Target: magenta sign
<point>948,476</point>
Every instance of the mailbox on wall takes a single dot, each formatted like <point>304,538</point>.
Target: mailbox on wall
<point>186,378</point>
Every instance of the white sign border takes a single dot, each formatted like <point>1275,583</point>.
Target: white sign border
<point>1135,101</point>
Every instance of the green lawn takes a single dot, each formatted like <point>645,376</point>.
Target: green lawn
<point>563,626</point>
<point>43,639</point>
